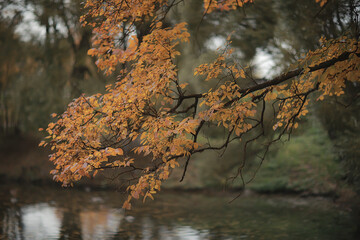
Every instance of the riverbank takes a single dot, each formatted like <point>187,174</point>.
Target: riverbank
<point>23,162</point>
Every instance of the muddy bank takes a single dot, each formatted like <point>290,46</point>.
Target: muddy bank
<point>22,160</point>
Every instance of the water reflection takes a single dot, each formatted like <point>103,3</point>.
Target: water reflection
<point>41,221</point>
<point>11,224</point>
<point>87,216</point>
<point>101,224</point>
<point>183,233</point>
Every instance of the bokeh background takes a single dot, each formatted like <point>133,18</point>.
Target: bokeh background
<point>44,65</point>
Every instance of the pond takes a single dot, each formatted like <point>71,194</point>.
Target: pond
<point>33,212</point>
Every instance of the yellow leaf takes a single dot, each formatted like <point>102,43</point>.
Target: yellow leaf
<point>127,205</point>
<point>158,24</point>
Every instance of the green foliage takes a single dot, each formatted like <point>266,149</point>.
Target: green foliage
<point>340,117</point>
<point>307,163</point>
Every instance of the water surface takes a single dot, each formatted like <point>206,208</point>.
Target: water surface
<point>30,212</point>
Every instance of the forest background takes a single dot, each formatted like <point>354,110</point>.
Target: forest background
<point>44,65</point>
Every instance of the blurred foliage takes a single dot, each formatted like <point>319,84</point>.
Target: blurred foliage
<point>341,118</point>
<point>306,163</point>
<point>41,74</point>
<point>300,27</point>
<point>285,29</point>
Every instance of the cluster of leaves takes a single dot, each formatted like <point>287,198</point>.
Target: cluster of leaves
<point>150,107</point>
<point>213,5</point>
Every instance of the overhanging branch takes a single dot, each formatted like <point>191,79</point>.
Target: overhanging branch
<point>282,78</point>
